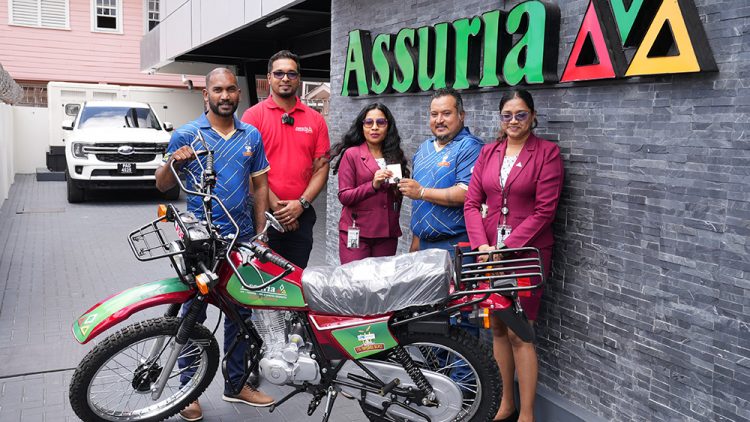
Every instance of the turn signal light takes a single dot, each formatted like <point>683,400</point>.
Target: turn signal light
<point>485,315</point>
<point>202,281</point>
<point>162,212</point>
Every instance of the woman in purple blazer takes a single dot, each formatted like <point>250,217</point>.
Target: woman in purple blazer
<point>371,205</point>
<point>519,178</point>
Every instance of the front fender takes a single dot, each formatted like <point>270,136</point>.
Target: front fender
<point>119,307</point>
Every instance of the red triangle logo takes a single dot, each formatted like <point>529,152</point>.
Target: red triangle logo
<point>590,58</point>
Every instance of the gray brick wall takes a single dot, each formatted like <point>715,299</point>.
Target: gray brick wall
<point>646,316</point>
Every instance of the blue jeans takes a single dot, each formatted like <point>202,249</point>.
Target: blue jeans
<point>235,362</point>
<point>460,372</point>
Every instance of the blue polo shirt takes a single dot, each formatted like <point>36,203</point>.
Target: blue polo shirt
<point>446,168</point>
<point>237,157</point>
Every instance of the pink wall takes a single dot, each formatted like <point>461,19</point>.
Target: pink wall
<point>78,54</point>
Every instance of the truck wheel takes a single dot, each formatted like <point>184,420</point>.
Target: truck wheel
<point>75,194</point>
<point>172,194</point>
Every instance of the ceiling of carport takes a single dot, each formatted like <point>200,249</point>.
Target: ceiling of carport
<point>307,33</point>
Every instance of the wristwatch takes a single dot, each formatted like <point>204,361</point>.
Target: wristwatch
<point>304,202</point>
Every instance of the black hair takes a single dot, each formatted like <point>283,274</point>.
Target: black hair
<point>283,54</point>
<point>355,136</point>
<point>443,92</point>
<point>524,96</point>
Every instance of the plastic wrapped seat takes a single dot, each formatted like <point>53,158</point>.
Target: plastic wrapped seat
<point>374,286</point>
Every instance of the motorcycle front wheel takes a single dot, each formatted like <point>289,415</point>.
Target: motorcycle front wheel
<point>463,358</point>
<point>113,382</point>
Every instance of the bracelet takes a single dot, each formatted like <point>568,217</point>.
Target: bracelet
<point>421,193</point>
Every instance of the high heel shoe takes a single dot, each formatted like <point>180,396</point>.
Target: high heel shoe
<point>513,417</point>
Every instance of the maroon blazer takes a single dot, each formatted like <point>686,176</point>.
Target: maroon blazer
<point>533,188</point>
<point>377,211</point>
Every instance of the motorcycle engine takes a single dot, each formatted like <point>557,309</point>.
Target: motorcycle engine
<point>286,355</point>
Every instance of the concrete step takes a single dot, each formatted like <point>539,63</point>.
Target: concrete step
<point>44,175</point>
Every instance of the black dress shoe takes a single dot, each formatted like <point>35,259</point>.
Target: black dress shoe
<point>513,417</point>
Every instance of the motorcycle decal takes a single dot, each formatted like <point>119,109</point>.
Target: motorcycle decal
<point>365,340</point>
<point>281,293</point>
<point>122,305</point>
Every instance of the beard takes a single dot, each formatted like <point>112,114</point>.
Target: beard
<point>444,139</point>
<point>286,94</point>
<point>216,110</point>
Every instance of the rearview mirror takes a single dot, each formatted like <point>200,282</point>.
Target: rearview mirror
<point>168,126</point>
<point>274,222</point>
<point>67,124</point>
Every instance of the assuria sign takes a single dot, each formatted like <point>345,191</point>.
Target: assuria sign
<point>521,45</point>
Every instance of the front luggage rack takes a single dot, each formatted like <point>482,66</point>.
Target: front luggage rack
<point>149,242</point>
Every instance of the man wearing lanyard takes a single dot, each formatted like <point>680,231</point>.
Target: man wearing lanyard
<point>442,170</point>
<point>296,143</point>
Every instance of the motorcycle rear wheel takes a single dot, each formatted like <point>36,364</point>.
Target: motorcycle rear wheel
<point>112,382</point>
<point>479,379</point>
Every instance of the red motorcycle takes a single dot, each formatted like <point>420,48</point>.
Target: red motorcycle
<point>377,331</point>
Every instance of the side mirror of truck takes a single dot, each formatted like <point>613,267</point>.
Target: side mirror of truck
<point>168,126</point>
<point>67,124</point>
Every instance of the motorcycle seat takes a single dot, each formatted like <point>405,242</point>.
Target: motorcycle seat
<point>376,286</point>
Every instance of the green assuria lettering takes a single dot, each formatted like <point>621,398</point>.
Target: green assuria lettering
<point>433,51</point>
<point>532,43</point>
<point>467,52</point>
<point>382,58</point>
<point>403,76</point>
<point>357,61</point>
<point>493,44</point>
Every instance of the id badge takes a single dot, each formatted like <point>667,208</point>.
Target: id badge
<point>503,231</point>
<point>352,238</point>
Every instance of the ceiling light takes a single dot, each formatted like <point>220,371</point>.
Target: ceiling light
<point>274,22</point>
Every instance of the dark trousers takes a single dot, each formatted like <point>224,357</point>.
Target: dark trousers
<point>295,246</point>
<point>368,247</point>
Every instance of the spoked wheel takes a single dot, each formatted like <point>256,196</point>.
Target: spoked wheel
<point>466,362</point>
<point>113,382</point>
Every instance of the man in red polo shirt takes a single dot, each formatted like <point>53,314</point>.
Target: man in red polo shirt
<point>296,141</point>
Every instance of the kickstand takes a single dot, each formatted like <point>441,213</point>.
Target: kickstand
<point>331,398</point>
<point>278,403</point>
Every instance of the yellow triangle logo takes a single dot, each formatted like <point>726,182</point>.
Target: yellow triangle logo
<point>670,16</point>
<point>85,329</point>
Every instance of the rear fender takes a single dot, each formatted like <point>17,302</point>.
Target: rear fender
<point>121,306</point>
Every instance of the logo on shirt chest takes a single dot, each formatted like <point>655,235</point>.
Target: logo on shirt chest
<point>306,129</point>
<point>445,162</point>
<point>248,151</point>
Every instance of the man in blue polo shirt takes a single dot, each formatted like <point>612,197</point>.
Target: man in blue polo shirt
<point>238,157</point>
<point>442,170</point>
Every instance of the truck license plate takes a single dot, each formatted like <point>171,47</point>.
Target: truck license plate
<point>126,168</point>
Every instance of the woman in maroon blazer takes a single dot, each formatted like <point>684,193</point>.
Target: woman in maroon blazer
<point>371,205</point>
<point>519,178</point>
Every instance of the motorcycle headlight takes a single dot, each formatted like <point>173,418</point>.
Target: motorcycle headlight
<point>78,150</point>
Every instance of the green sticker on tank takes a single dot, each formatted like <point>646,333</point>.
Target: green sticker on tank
<point>281,293</point>
<point>365,340</point>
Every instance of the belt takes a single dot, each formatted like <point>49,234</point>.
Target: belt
<point>442,237</point>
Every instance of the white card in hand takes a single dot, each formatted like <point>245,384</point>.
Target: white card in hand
<point>396,170</point>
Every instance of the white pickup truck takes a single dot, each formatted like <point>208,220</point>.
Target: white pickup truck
<point>114,144</point>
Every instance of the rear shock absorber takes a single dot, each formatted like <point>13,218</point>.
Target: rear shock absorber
<point>400,355</point>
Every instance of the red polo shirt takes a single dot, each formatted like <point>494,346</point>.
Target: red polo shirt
<point>290,149</point>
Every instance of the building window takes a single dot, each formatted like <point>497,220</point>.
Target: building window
<point>152,10</point>
<point>107,16</point>
<point>40,13</point>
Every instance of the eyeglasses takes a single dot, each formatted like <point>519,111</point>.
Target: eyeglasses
<point>286,119</point>
<point>521,116</point>
<point>279,74</point>
<point>380,122</point>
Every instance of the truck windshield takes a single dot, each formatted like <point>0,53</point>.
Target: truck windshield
<point>135,117</point>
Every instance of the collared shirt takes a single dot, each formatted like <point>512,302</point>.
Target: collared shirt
<point>448,167</point>
<point>237,157</point>
<point>291,148</point>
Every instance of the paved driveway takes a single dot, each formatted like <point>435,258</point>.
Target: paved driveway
<point>57,260</point>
